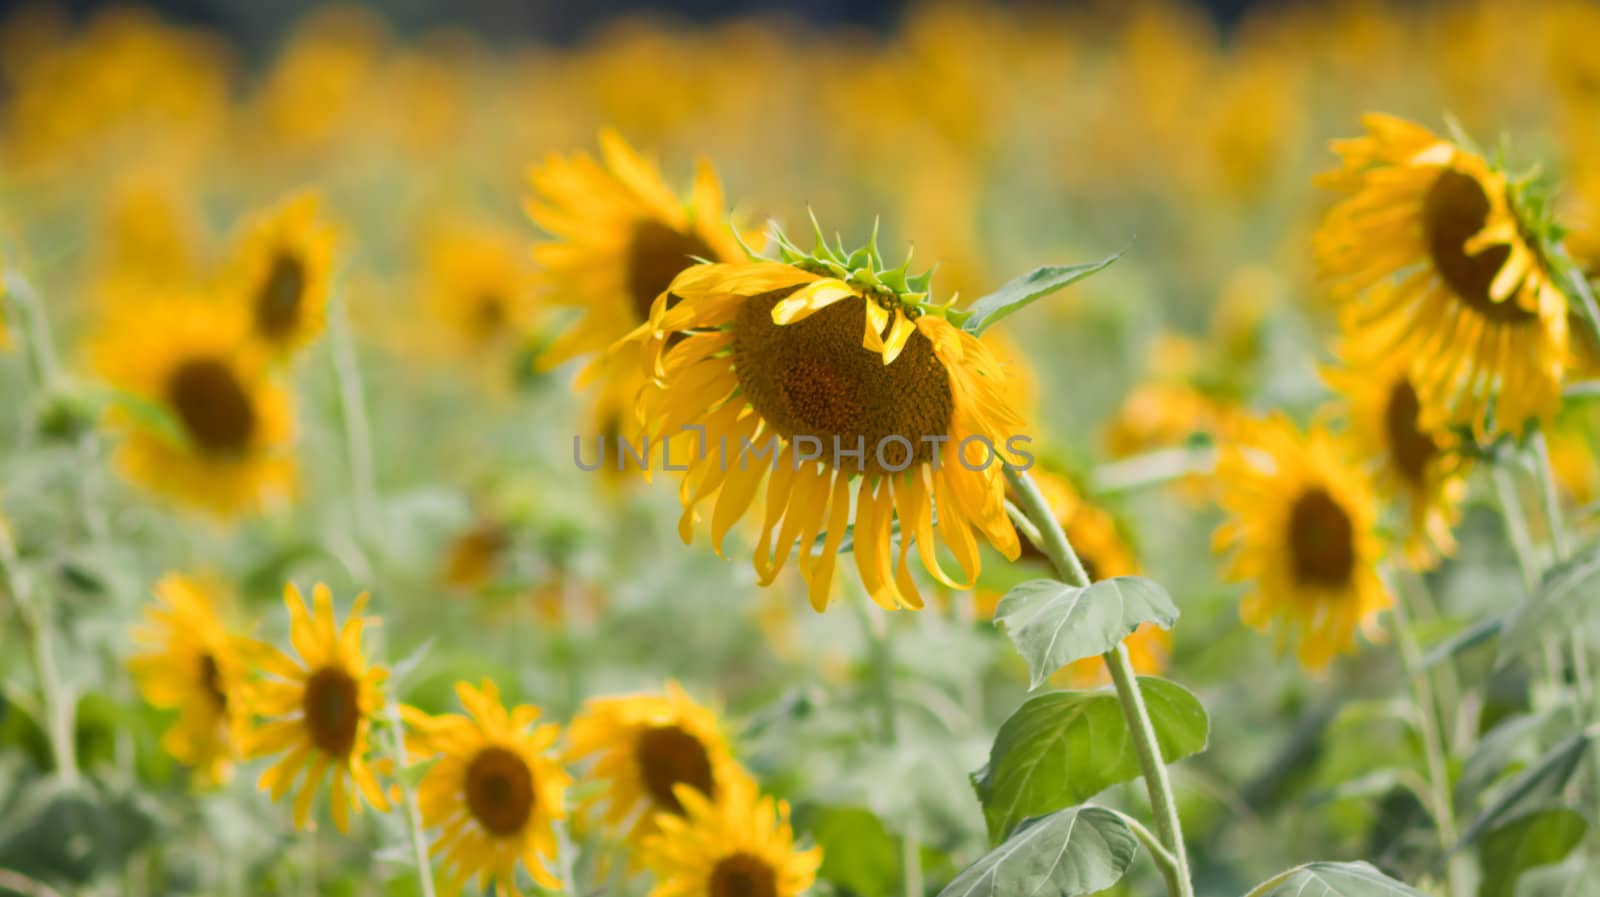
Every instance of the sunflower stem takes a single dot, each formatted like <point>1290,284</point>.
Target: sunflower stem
<point>41,351</point>
<point>58,700</point>
<point>408,799</point>
<point>1516,522</point>
<point>1152,469</point>
<point>566,849</point>
<point>1140,729</point>
<point>1442,808</point>
<point>357,428</point>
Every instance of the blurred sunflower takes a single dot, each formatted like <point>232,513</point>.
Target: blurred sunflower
<point>320,708</point>
<point>619,236</point>
<point>851,391</point>
<point>1430,248</point>
<point>478,286</point>
<point>741,845</point>
<point>473,557</point>
<point>1421,467</point>
<point>495,791</point>
<point>643,747</point>
<point>1301,527</point>
<point>203,423</point>
<point>191,663</point>
<point>281,273</point>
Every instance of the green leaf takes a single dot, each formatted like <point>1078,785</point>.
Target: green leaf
<point>1531,787</point>
<point>1062,748</point>
<point>1557,607</point>
<point>1333,880</point>
<point>1054,624</point>
<point>1465,640</point>
<point>1072,852</point>
<point>1577,877</point>
<point>858,853</point>
<point>1022,291</point>
<point>1536,839</point>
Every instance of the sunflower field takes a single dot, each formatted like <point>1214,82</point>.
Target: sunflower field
<point>1023,451</point>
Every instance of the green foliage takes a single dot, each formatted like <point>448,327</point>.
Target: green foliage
<point>1563,602</point>
<point>1068,853</point>
<point>1535,839</point>
<point>1062,748</point>
<point>1054,624</point>
<point>1532,787</point>
<point>1023,291</point>
<point>1333,880</point>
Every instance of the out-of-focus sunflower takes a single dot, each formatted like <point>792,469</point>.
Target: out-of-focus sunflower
<point>1301,528</point>
<point>643,746</point>
<point>190,662</point>
<point>281,273</point>
<point>1430,248</point>
<point>1422,468</point>
<point>319,709</point>
<point>619,236</point>
<point>149,234</point>
<point>812,367</point>
<point>495,791</point>
<point>473,557</point>
<point>741,845</point>
<point>479,286</point>
<point>204,424</point>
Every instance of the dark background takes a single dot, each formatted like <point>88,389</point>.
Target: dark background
<point>253,23</point>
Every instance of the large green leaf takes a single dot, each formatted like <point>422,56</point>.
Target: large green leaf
<point>1564,601</point>
<point>1072,852</point>
<point>1023,291</point>
<point>1577,877</point>
<point>1062,748</point>
<point>1535,839</point>
<point>1530,788</point>
<point>858,853</point>
<point>1333,880</point>
<point>1054,624</point>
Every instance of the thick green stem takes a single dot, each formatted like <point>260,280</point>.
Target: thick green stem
<point>1053,542</point>
<point>58,701</point>
<point>1443,807</point>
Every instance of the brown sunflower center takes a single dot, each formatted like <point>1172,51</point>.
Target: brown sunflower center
<point>813,378</point>
<point>211,682</point>
<point>656,254</point>
<point>489,313</point>
<point>669,756</point>
<point>212,405</point>
<point>1409,446</point>
<point>743,875</point>
<point>500,790</point>
<point>1453,212</point>
<point>1322,548</point>
<point>278,303</point>
<point>332,710</point>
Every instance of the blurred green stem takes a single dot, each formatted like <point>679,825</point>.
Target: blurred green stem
<point>36,329</point>
<point>1152,469</point>
<point>57,698</point>
<point>1053,542</point>
<point>357,428</point>
<point>565,849</point>
<point>408,800</point>
<point>1511,512</point>
<point>1443,807</point>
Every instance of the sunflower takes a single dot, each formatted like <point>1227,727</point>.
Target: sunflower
<point>1429,248</point>
<point>478,286</point>
<point>840,385</point>
<point>203,422</point>
<point>739,846</point>
<point>190,663</point>
<point>281,273</point>
<point>495,791</point>
<point>618,236</point>
<point>643,746</point>
<point>1420,467</point>
<point>320,708</point>
<point>1301,525</point>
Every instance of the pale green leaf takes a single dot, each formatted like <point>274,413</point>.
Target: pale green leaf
<point>1054,624</point>
<point>1069,853</point>
<point>1023,291</point>
<point>1535,839</point>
